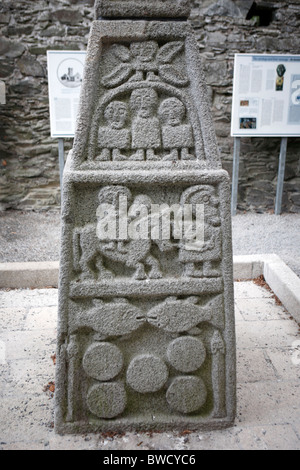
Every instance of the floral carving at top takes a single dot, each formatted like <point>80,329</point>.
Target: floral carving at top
<point>146,61</point>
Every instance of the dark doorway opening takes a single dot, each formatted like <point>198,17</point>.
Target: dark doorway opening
<point>264,14</point>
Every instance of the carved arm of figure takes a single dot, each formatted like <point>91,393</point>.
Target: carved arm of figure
<point>109,246</point>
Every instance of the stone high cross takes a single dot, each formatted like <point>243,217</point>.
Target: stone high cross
<point>146,336</point>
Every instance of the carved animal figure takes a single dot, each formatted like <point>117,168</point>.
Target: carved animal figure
<point>89,251</point>
<point>176,316</point>
<point>115,318</point>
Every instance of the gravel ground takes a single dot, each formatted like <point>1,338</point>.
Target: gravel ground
<point>268,233</point>
<point>29,236</point>
<point>35,236</point>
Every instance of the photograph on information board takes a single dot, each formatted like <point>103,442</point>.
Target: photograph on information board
<point>65,74</point>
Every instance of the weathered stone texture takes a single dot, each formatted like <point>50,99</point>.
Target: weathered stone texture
<point>29,174</point>
<point>142,9</point>
<point>146,337</point>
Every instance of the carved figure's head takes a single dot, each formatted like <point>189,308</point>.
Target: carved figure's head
<point>142,200</point>
<point>172,112</point>
<point>143,102</point>
<point>111,195</point>
<point>205,194</point>
<point>116,114</point>
<point>144,51</point>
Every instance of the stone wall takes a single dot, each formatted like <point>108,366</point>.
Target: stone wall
<point>222,30</point>
<point>29,171</point>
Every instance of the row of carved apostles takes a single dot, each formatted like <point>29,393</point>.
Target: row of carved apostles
<point>154,126</point>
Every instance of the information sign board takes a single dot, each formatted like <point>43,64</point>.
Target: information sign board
<point>65,74</point>
<point>266,96</point>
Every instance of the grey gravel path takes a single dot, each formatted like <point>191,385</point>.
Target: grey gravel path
<point>29,236</point>
<point>35,236</point>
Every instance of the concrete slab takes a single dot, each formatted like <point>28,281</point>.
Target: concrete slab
<point>22,275</point>
<point>281,279</point>
<point>284,282</point>
<point>268,380</point>
<point>255,309</point>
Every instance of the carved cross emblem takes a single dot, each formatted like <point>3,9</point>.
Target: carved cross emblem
<point>146,61</point>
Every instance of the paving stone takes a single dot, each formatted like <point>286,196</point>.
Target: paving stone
<point>29,377</point>
<point>254,368</point>
<point>268,414</point>
<point>285,363</point>
<point>28,298</point>
<point>258,310</point>
<point>274,333</point>
<point>26,419</point>
<point>41,318</point>
<point>249,290</point>
<point>260,404</point>
<point>26,344</point>
<point>279,437</point>
<point>237,313</point>
<point>12,318</point>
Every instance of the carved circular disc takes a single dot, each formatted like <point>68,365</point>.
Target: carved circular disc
<point>103,361</point>
<point>107,400</point>
<point>186,394</point>
<point>186,354</point>
<point>147,373</point>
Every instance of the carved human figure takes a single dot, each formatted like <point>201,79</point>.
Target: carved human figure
<point>145,125</point>
<point>114,137</point>
<point>143,54</point>
<point>90,250</point>
<point>209,255</point>
<point>176,136</point>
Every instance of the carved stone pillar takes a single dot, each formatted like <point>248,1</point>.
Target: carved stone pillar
<point>146,282</point>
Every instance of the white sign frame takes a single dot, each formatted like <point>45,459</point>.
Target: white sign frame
<point>65,75</point>
<point>266,96</point>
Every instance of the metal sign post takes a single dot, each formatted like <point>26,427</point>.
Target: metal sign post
<point>61,157</point>
<point>235,174</point>
<point>281,172</point>
<point>2,93</point>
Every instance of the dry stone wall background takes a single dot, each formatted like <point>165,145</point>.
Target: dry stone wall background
<point>29,171</point>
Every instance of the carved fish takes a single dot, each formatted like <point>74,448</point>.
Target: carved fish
<point>177,316</point>
<point>116,318</point>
